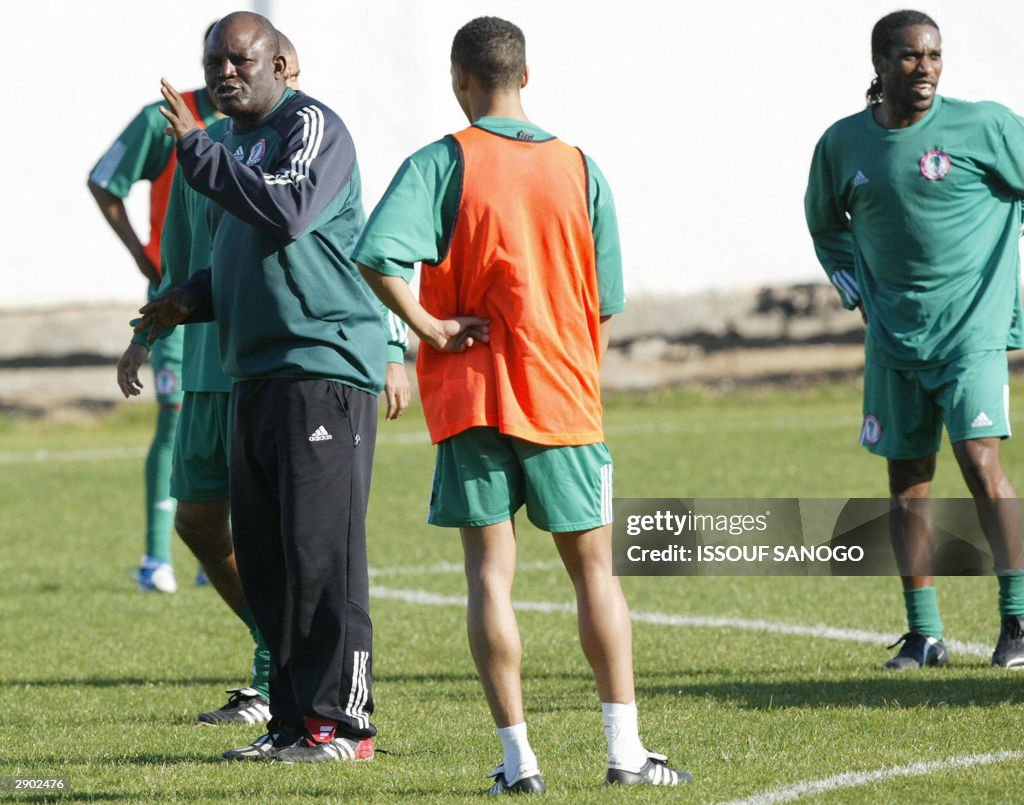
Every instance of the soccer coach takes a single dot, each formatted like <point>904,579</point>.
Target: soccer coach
<point>302,336</point>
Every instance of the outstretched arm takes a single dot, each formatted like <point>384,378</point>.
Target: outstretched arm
<point>190,302</point>
<point>317,159</point>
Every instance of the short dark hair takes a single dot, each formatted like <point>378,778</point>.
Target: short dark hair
<point>492,50</point>
<point>883,37</point>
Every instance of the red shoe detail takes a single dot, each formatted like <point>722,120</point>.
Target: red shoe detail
<point>321,730</point>
<point>365,749</point>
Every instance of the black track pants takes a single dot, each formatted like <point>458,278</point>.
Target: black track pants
<point>301,456</point>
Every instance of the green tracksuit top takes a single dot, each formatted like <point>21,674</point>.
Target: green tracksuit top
<point>286,211</point>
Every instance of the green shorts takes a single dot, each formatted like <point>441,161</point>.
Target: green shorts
<point>202,448</point>
<point>483,477</point>
<point>905,409</point>
<point>165,355</point>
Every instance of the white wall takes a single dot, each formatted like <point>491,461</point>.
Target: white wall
<point>702,115</point>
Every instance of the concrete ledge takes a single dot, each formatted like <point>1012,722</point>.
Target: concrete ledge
<point>715,320</point>
<point>97,330</point>
<point>63,358</point>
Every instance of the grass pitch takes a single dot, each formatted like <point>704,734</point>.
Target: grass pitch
<point>101,684</point>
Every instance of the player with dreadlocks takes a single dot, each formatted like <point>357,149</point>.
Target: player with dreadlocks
<point>914,206</point>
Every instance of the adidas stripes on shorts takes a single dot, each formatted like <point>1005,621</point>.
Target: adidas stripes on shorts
<point>905,409</point>
<point>482,477</point>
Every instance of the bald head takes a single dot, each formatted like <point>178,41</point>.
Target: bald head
<point>258,26</point>
<point>245,71</point>
<point>291,58</point>
<point>208,31</point>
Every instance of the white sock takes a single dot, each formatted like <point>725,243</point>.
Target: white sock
<point>519,758</point>
<point>625,750</point>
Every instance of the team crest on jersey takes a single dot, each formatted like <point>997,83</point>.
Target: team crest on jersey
<point>871,430</point>
<point>239,154</point>
<point>166,382</point>
<point>257,153</point>
<point>935,164</point>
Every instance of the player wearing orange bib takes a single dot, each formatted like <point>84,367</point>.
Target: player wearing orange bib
<point>518,239</point>
<point>539,380</point>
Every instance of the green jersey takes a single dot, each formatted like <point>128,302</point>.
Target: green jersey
<point>185,249</point>
<point>413,221</point>
<point>920,225</point>
<point>143,149</point>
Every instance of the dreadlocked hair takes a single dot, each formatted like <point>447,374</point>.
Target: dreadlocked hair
<point>883,37</point>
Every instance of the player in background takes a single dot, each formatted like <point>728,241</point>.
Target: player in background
<point>519,244</point>
<point>914,206</point>
<point>202,450</point>
<point>303,339</point>
<point>144,152</point>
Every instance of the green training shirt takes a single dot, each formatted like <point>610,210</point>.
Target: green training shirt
<point>142,150</point>
<point>185,249</point>
<point>921,225</point>
<point>412,222</point>
<point>286,210</point>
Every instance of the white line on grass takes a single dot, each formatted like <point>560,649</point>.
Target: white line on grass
<point>699,621</point>
<point>819,630</point>
<point>420,437</point>
<point>852,779</point>
<point>770,797</point>
<point>97,454</point>
<point>613,429</point>
<point>451,567</point>
<point>103,453</point>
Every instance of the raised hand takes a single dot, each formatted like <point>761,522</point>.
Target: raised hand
<point>178,115</point>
